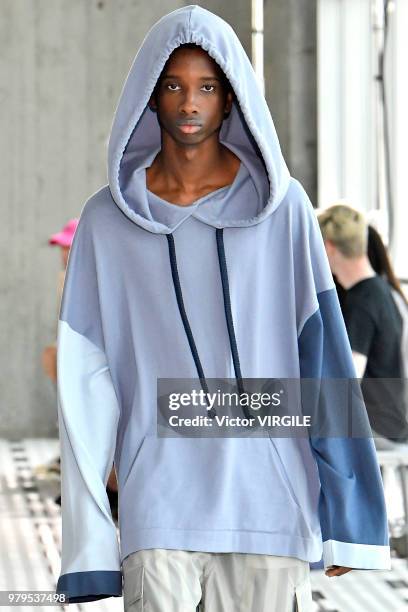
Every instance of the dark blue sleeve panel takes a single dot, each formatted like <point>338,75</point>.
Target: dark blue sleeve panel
<point>351,507</point>
<point>90,586</point>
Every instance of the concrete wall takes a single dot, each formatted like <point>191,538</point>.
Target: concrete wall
<point>62,67</point>
<point>290,88</point>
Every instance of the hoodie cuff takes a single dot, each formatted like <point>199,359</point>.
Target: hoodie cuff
<point>90,586</point>
<point>356,556</point>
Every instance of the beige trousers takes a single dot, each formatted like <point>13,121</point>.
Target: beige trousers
<point>162,580</point>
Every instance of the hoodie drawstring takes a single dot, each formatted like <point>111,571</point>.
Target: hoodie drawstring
<point>227,309</point>
<point>189,333</point>
<point>227,306</point>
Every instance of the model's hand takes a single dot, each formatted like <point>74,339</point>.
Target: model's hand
<point>337,570</point>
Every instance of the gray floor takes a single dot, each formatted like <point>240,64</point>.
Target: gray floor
<point>30,526</point>
<point>30,532</point>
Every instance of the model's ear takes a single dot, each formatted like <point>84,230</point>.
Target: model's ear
<point>228,104</point>
<point>152,104</point>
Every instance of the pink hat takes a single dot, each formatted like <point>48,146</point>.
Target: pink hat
<point>65,236</point>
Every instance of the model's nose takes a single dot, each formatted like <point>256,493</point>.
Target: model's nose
<point>189,103</point>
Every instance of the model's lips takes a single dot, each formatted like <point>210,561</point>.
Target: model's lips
<point>189,128</point>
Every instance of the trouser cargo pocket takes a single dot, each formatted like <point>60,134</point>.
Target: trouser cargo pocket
<point>133,587</point>
<point>303,597</point>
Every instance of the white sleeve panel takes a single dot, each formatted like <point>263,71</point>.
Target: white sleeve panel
<point>356,556</point>
<point>88,415</point>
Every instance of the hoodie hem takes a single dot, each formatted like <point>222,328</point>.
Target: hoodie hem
<point>219,540</point>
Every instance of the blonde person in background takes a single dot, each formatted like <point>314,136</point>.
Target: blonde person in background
<point>373,321</point>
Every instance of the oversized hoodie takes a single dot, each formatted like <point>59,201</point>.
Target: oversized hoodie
<point>237,284</point>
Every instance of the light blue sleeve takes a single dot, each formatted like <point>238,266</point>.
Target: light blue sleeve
<point>88,415</point>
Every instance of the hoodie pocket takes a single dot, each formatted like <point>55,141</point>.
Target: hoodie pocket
<point>280,466</point>
<point>138,453</point>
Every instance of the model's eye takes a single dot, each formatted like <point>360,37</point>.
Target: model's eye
<point>208,87</point>
<point>173,86</point>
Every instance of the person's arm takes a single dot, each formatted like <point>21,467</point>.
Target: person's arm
<point>360,363</point>
<point>88,415</point>
<point>49,361</point>
<point>351,507</point>
<point>361,330</point>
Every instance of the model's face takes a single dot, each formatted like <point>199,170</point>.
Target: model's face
<point>191,98</point>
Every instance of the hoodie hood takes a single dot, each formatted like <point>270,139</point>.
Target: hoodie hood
<point>248,131</point>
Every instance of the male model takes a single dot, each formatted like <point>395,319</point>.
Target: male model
<point>202,259</point>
